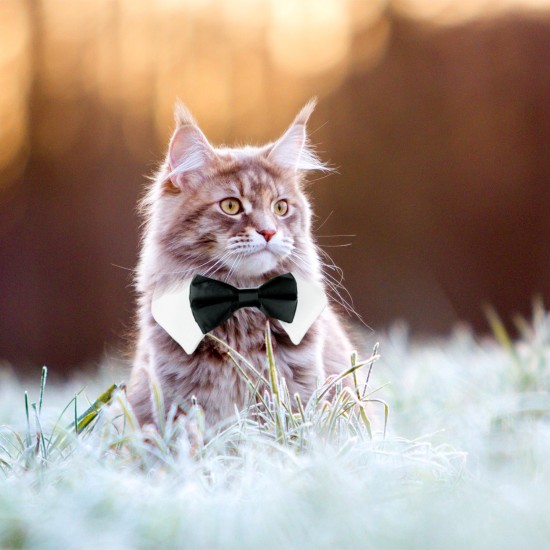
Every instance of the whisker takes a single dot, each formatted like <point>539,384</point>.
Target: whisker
<point>335,235</point>
<point>334,284</point>
<point>236,263</point>
<point>339,272</point>
<point>326,220</point>
<point>305,263</point>
<point>294,261</point>
<point>213,266</point>
<point>329,258</point>
<point>134,270</point>
<point>332,171</point>
<point>331,266</point>
<point>231,266</point>
<point>220,261</point>
<point>196,267</point>
<point>339,283</point>
<point>349,308</point>
<point>178,272</point>
<point>185,271</point>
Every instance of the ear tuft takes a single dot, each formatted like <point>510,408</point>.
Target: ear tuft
<point>292,150</point>
<point>303,116</point>
<point>182,115</point>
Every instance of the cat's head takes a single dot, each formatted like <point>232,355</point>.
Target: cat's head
<point>236,213</point>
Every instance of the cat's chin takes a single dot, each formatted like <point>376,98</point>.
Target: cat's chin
<point>257,264</point>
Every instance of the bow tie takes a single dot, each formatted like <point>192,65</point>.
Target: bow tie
<point>213,302</point>
<point>196,306</point>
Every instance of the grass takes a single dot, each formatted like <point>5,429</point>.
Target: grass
<point>458,459</point>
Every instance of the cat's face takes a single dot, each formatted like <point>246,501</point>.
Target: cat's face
<point>260,218</point>
<point>238,213</point>
<point>245,223</point>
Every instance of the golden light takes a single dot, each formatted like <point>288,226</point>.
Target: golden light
<point>245,19</point>
<point>242,64</point>
<point>454,12</point>
<point>309,37</point>
<point>364,14</point>
<point>15,77</point>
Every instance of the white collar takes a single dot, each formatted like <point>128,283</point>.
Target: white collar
<point>171,309</point>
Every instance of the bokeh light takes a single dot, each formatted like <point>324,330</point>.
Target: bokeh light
<point>15,78</point>
<point>434,111</point>
<point>136,53</point>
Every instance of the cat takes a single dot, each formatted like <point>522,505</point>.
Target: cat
<point>239,215</point>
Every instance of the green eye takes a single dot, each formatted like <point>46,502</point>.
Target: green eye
<point>280,207</point>
<point>231,206</point>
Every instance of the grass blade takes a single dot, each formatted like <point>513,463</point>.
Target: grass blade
<point>42,387</point>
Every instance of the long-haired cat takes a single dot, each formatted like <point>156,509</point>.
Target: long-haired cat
<point>239,215</point>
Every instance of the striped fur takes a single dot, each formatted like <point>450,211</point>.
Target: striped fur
<point>186,232</point>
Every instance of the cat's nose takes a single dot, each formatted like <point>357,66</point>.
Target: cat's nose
<point>266,233</point>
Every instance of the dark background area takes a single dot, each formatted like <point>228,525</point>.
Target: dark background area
<point>438,122</point>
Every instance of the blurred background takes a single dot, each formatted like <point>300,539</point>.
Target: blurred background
<point>436,113</point>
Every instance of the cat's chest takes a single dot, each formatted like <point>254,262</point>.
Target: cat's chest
<point>216,379</point>
<point>245,332</point>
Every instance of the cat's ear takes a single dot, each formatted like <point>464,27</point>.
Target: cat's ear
<point>189,149</point>
<point>292,149</point>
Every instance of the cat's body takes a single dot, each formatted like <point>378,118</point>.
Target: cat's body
<point>191,228</point>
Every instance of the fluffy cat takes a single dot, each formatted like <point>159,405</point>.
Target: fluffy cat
<point>239,215</point>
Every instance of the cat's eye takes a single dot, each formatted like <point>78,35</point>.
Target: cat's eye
<point>280,207</point>
<point>231,206</point>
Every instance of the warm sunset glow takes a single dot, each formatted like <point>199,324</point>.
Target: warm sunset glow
<point>450,12</point>
<point>226,59</point>
<point>309,37</point>
<point>15,80</point>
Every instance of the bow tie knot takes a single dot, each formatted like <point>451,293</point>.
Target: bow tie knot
<point>213,302</point>
<point>249,297</point>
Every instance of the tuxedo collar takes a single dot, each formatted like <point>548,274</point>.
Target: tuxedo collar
<point>171,309</point>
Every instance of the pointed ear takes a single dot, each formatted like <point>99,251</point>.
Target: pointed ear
<point>292,150</point>
<point>189,149</point>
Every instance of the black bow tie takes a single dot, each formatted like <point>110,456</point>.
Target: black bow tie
<point>213,302</point>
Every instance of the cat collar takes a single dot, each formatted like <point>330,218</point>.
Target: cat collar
<point>195,307</point>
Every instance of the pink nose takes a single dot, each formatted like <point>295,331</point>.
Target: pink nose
<point>266,233</point>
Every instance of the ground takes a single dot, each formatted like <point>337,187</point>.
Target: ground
<point>464,462</point>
